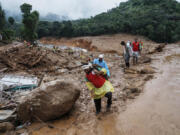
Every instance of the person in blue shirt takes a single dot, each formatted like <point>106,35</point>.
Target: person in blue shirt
<point>100,62</point>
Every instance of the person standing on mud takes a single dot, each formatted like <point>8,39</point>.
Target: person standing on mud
<point>99,62</point>
<point>98,86</point>
<point>136,50</point>
<point>127,52</point>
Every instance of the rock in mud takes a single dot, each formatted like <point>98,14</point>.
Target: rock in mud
<point>131,71</point>
<point>6,126</point>
<point>49,102</point>
<point>156,48</point>
<point>135,90</point>
<point>148,77</point>
<point>147,70</point>
<point>140,70</point>
<point>144,59</point>
<point>160,48</point>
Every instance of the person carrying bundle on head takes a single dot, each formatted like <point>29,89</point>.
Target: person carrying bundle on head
<point>98,86</point>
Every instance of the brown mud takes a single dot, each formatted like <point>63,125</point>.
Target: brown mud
<point>66,64</point>
<point>104,43</point>
<point>154,112</point>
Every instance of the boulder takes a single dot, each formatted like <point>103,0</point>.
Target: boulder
<point>49,102</point>
<point>6,126</point>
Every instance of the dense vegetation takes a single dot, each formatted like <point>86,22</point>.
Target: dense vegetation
<point>6,29</point>
<point>155,19</point>
<point>158,20</point>
<point>30,22</point>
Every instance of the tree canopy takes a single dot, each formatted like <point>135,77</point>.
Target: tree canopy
<point>155,19</point>
<point>30,21</point>
<point>11,20</point>
<point>5,31</point>
<point>2,19</point>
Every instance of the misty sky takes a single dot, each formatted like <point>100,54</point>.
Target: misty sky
<point>74,9</point>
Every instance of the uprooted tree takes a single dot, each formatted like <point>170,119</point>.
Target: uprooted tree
<point>30,21</point>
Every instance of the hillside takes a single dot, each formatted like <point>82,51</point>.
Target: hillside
<point>154,19</point>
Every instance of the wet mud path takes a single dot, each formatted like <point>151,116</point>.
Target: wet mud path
<point>154,112</point>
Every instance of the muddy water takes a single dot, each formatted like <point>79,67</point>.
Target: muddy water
<point>157,110</point>
<point>154,112</point>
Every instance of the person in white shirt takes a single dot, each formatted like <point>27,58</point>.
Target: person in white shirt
<point>127,52</point>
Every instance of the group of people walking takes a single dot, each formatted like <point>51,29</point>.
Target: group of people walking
<point>131,50</point>
<point>97,74</point>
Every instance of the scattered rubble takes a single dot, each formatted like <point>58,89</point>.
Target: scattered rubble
<point>6,126</point>
<point>40,60</point>
<point>7,115</point>
<point>24,58</point>
<point>50,63</point>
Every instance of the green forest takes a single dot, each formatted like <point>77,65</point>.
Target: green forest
<point>6,26</point>
<point>155,19</point>
<point>159,20</point>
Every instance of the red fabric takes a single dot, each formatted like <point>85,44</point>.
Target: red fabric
<point>96,80</point>
<point>135,46</point>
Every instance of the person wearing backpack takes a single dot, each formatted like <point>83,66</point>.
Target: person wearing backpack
<point>136,50</point>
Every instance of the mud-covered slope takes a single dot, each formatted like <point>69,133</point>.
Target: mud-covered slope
<point>104,44</point>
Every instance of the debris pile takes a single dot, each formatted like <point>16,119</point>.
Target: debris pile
<point>41,60</point>
<point>24,58</point>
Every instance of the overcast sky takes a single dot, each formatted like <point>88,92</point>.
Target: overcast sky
<point>74,9</point>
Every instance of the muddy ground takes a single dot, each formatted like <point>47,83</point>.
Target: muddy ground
<point>104,43</point>
<point>49,65</point>
<point>156,111</point>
